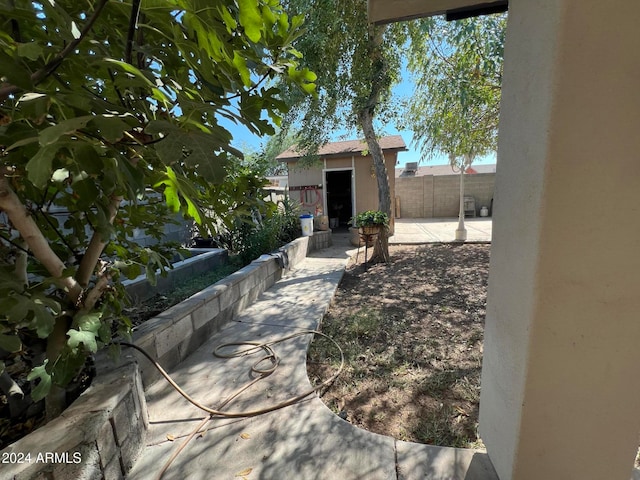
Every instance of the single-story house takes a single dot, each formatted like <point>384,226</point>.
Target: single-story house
<point>343,181</point>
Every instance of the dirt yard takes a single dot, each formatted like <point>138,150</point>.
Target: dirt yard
<point>412,334</point>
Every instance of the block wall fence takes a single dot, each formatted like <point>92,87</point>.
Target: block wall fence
<point>437,196</point>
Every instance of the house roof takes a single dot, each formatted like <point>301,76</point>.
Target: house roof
<point>349,147</point>
<point>441,170</point>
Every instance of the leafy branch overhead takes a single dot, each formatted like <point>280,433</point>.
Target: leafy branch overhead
<point>458,72</point>
<point>97,125</point>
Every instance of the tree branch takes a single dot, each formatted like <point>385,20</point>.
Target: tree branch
<point>140,56</point>
<point>96,247</point>
<point>32,236</point>
<point>96,292</point>
<point>14,243</point>
<point>15,395</point>
<point>378,80</point>
<point>133,22</point>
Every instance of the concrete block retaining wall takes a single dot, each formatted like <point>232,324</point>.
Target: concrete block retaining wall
<point>101,434</point>
<point>203,260</point>
<point>98,436</point>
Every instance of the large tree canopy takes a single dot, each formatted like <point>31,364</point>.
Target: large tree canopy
<point>456,103</point>
<point>458,72</point>
<point>106,106</point>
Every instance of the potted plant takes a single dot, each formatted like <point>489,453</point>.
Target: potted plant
<point>370,222</point>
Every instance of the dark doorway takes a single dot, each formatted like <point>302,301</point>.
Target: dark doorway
<point>339,197</point>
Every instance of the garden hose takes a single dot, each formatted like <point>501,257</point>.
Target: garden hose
<point>258,368</point>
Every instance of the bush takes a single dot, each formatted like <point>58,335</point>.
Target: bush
<point>370,218</point>
<point>262,232</point>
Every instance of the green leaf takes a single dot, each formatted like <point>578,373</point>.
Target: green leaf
<point>88,339</point>
<point>104,334</point>
<point>130,69</point>
<point>178,187</point>
<point>14,73</point>
<point>151,275</point>
<point>34,106</point>
<point>251,19</point>
<point>241,65</point>
<point>89,322</point>
<point>309,88</point>
<point>268,16</point>
<point>10,343</point>
<point>227,19</point>
<point>52,134</point>
<point>43,320</point>
<point>67,366</point>
<point>22,143</point>
<point>8,281</point>
<point>87,192</point>
<point>39,168</point>
<point>171,196</point>
<point>42,389</point>
<point>170,148</point>
<point>130,269</point>
<point>16,308</point>
<point>49,302</point>
<point>32,50</point>
<point>111,127</point>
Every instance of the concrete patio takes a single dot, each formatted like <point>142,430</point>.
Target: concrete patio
<point>429,230</point>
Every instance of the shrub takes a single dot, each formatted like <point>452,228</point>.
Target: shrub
<point>370,218</point>
<point>264,232</point>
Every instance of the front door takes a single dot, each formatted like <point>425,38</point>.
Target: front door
<point>339,197</point>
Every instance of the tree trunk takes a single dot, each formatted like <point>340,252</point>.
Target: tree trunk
<point>34,239</point>
<point>56,400</point>
<point>461,232</point>
<point>381,248</point>
<point>379,82</point>
<point>382,176</point>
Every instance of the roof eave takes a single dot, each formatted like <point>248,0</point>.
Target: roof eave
<point>342,154</point>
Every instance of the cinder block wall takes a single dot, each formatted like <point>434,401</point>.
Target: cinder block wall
<point>439,196</point>
<point>446,196</point>
<point>481,186</point>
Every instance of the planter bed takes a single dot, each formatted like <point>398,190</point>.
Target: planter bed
<point>202,260</point>
<point>101,434</point>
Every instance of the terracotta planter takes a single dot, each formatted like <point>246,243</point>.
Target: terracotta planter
<point>371,229</point>
<point>357,235</point>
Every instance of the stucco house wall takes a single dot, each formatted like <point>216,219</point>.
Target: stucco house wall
<point>300,176</point>
<point>367,183</point>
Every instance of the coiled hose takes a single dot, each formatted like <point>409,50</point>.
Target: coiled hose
<point>263,367</point>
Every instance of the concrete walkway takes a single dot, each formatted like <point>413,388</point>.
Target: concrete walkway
<point>303,441</point>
